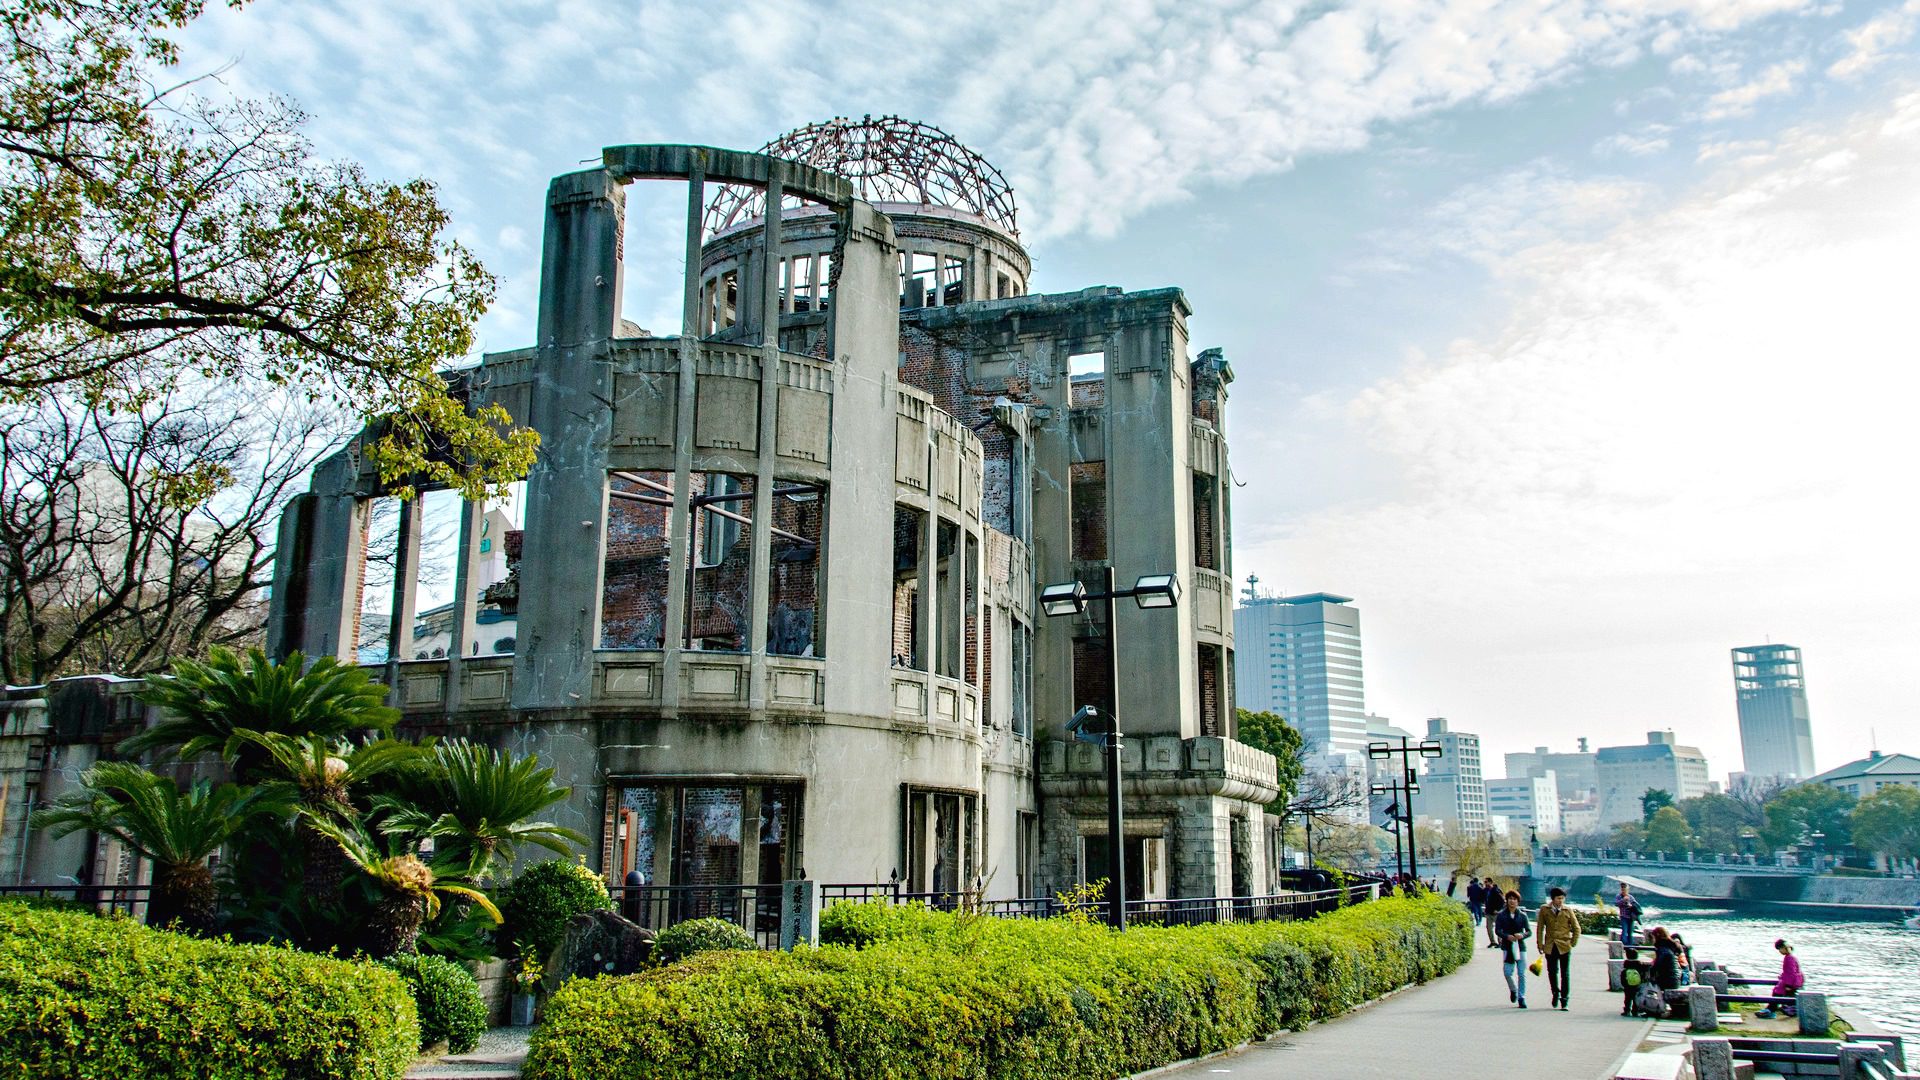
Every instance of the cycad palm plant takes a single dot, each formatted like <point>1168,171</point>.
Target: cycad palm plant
<point>407,888</point>
<point>177,830</point>
<point>206,704</point>
<point>477,807</point>
<point>322,773</point>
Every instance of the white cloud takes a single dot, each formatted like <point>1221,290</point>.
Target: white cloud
<point>1693,430</point>
<point>1646,142</point>
<point>1740,100</point>
<point>1873,41</point>
<point>1097,109</point>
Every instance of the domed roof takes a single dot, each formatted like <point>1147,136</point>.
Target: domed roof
<point>889,160</point>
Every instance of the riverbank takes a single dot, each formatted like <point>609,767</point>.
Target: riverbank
<point>1866,966</point>
<point>1459,1025</point>
<point>1680,885</point>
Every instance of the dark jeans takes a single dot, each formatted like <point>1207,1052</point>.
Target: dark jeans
<point>1626,932</point>
<point>1559,974</point>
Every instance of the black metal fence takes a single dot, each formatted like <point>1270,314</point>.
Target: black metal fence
<point>129,899</point>
<point>755,908</point>
<point>1186,911</point>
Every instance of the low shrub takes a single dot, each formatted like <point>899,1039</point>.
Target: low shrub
<point>447,997</point>
<point>87,998</point>
<point>932,994</point>
<point>1597,921</point>
<point>681,940</point>
<point>543,897</point>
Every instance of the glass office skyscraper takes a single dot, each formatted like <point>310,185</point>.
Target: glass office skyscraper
<point>1770,688</point>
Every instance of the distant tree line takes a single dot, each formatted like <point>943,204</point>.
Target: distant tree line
<point>1809,817</point>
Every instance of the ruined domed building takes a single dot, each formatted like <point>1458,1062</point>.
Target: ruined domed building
<point>768,599</point>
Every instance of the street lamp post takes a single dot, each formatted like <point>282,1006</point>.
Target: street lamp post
<point>1408,783</point>
<point>1070,598</point>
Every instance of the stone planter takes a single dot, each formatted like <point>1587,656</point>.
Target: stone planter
<point>521,1014</point>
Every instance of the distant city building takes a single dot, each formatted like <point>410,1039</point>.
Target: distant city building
<point>1454,788</point>
<point>1871,773</point>
<point>1574,773</point>
<point>1627,772</point>
<point>1530,802</point>
<point>1579,815</point>
<point>1299,656</point>
<point>1770,689</point>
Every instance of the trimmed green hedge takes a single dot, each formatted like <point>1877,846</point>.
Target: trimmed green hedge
<point>90,999</point>
<point>942,995</point>
<point>682,940</point>
<point>447,998</point>
<point>541,899</point>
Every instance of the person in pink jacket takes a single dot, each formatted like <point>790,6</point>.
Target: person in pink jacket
<point>1790,981</point>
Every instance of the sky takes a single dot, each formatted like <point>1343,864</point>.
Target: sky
<point>1576,340</point>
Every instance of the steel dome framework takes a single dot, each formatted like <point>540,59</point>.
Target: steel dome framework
<point>888,160</point>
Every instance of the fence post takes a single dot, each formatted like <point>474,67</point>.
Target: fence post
<point>799,913</point>
<point>1373,891</point>
<point>1815,1019</point>
<point>1703,1008</point>
<point>1713,1059</point>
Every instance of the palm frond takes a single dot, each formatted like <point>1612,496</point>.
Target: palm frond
<point>204,703</point>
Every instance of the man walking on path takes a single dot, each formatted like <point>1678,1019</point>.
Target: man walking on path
<point>1629,909</point>
<point>1474,896</point>
<point>1557,931</point>
<point>1511,926</point>
<point>1491,897</point>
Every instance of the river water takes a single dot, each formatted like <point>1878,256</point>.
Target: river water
<point>1870,967</point>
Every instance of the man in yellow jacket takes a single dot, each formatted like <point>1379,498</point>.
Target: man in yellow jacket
<point>1556,932</point>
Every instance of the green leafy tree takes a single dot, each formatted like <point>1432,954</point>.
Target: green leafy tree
<point>1270,732</point>
<point>478,805</point>
<point>1668,832</point>
<point>408,890</point>
<point>1795,814</point>
<point>1719,822</point>
<point>1887,822</point>
<point>147,234</point>
<point>1651,802</point>
<point>323,772</point>
<point>205,705</point>
<point>176,830</point>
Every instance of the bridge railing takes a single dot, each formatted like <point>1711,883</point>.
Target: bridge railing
<point>1744,864</point>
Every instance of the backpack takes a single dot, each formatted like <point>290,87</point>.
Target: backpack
<point>1650,1002</point>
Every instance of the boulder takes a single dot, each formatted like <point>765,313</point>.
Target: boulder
<point>599,943</point>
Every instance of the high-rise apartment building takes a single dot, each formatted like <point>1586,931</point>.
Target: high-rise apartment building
<point>1299,656</point>
<point>1770,689</point>
<point>1453,788</point>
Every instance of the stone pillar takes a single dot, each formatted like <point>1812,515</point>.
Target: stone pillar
<point>1616,951</point>
<point>1815,1017</point>
<point>1715,979</point>
<point>1703,1009</point>
<point>1615,970</point>
<point>1855,1057</point>
<point>799,914</point>
<point>566,490</point>
<point>1712,1059</point>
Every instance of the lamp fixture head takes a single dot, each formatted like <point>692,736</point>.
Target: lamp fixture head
<point>1157,591</point>
<point>1065,598</point>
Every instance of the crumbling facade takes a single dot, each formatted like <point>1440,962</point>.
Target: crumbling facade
<point>767,598</point>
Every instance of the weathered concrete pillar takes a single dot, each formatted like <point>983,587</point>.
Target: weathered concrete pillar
<point>1615,970</point>
<point>316,573</point>
<point>580,277</point>
<point>1703,1010</point>
<point>1715,979</point>
<point>1815,1016</point>
<point>1616,951</point>
<point>799,914</point>
<point>1712,1059</point>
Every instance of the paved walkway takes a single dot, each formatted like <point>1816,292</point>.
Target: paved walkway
<point>1457,1026</point>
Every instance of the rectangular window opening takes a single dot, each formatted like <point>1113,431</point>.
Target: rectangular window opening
<point>909,532</point>
<point>634,568</point>
<point>495,573</point>
<point>948,600</point>
<point>720,581</point>
<point>374,592</point>
<point>793,579</point>
<point>430,635</point>
<point>1087,505</point>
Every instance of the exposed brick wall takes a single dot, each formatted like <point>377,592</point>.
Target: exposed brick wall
<point>908,650</point>
<point>633,600</point>
<point>1209,665</point>
<point>1087,496</point>
<point>1206,546</point>
<point>793,585</point>
<point>1090,672</point>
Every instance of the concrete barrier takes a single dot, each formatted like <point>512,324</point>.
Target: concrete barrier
<point>1703,1010</point>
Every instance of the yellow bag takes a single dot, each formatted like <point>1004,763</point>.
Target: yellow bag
<point>1537,966</point>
